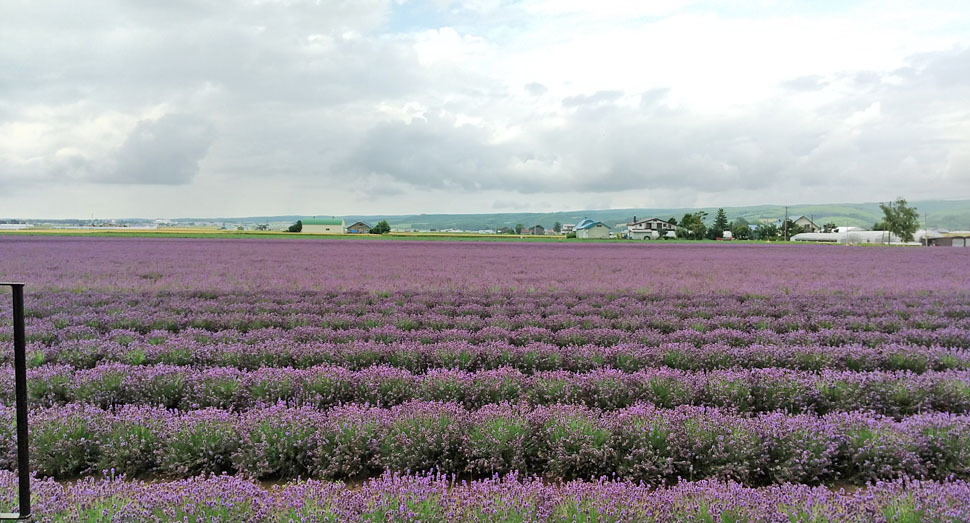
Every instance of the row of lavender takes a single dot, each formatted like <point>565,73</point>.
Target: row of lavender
<point>153,265</point>
<point>639,443</point>
<point>439,498</point>
<point>522,312</point>
<point>753,390</point>
<point>473,311</point>
<point>697,335</point>
<point>457,353</point>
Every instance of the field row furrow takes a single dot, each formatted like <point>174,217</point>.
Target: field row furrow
<point>529,357</point>
<point>745,390</point>
<point>697,335</point>
<point>565,442</point>
<point>561,308</point>
<point>439,498</point>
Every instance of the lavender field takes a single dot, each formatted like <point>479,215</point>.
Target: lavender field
<point>288,380</point>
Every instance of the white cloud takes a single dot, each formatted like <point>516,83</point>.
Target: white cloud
<point>321,106</point>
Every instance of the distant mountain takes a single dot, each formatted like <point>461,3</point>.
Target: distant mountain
<point>949,214</point>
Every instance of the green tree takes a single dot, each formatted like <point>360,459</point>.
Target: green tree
<point>518,228</point>
<point>830,227</point>
<point>720,225</point>
<point>557,227</point>
<point>767,231</point>
<point>382,227</point>
<point>296,227</point>
<point>740,229</point>
<point>789,227</point>
<point>672,221</point>
<point>692,225</point>
<point>900,219</point>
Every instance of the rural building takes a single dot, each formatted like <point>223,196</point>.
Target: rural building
<point>807,224</point>
<point>592,229</point>
<point>359,228</point>
<point>848,235</point>
<point>650,228</point>
<point>946,239</point>
<point>316,225</point>
<point>567,228</point>
<point>537,230</point>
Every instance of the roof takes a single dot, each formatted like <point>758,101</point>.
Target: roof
<point>322,221</point>
<point>588,224</point>
<point>365,224</point>
<point>947,234</point>
<point>645,220</point>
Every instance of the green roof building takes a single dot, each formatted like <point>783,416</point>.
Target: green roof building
<point>316,225</point>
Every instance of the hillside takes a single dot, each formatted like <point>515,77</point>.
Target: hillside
<point>936,213</point>
<point>948,214</point>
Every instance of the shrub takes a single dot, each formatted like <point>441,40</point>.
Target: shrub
<point>641,439</point>
<point>279,442</point>
<point>348,442</point>
<point>66,444</point>
<point>422,437</point>
<point>200,442</point>
<point>498,441</point>
<point>571,443</point>
<point>129,445</point>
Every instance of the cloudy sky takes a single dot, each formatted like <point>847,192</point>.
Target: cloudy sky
<point>168,108</point>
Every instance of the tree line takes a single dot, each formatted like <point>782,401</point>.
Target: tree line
<point>899,218</point>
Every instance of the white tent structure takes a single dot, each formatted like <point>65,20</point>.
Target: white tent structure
<point>854,235</point>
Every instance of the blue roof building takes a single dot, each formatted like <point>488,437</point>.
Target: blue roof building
<point>591,229</point>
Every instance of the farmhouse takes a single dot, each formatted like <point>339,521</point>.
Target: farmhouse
<point>359,228</point>
<point>807,224</point>
<point>537,230</point>
<point>946,239</point>
<point>650,228</point>
<point>567,228</point>
<point>591,229</point>
<point>316,225</point>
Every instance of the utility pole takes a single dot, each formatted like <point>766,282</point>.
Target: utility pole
<point>889,225</point>
<point>786,223</point>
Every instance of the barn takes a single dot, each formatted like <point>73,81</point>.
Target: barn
<point>592,229</point>
<point>946,239</point>
<point>316,225</point>
<point>359,228</point>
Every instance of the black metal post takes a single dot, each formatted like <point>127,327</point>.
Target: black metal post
<point>20,374</point>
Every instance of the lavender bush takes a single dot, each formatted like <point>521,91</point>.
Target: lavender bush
<point>440,498</point>
<point>561,442</point>
<point>789,368</point>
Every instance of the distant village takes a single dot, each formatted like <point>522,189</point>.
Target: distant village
<point>689,227</point>
<point>800,229</point>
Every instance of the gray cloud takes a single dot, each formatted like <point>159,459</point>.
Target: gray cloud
<point>883,132</point>
<point>326,100</point>
<point>166,151</point>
